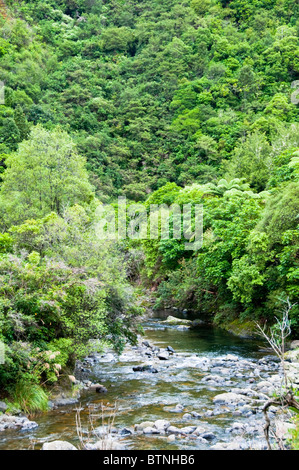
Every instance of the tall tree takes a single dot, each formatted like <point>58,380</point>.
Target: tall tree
<point>45,174</point>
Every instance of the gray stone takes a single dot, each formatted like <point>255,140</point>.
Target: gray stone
<point>229,398</point>
<point>188,429</point>
<point>58,445</point>
<point>125,432</point>
<point>64,401</point>
<point>152,430</point>
<point>173,430</point>
<point>194,414</point>
<point>178,409</point>
<point>15,422</point>
<point>145,424</point>
<point>162,424</point>
<point>209,436</point>
<point>163,356</point>
<point>105,444</point>
<point>199,430</point>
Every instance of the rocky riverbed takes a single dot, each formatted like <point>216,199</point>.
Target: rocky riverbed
<point>237,389</point>
<point>177,389</point>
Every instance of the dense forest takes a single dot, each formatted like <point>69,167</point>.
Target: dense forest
<point>161,101</point>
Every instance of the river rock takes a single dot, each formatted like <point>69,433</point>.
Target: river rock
<point>22,423</point>
<point>213,378</point>
<point>58,445</point>
<point>177,321</point>
<point>173,430</point>
<point>178,409</point>
<point>229,398</point>
<point>199,430</point>
<point>209,436</point>
<point>145,368</point>
<point>152,430</point>
<point>141,426</point>
<point>194,414</point>
<point>163,356</point>
<point>162,424</point>
<point>104,431</point>
<point>237,427</point>
<point>265,387</point>
<point>245,410</point>
<point>126,432</point>
<point>108,358</point>
<point>230,357</point>
<point>188,429</point>
<point>99,388</point>
<point>64,401</point>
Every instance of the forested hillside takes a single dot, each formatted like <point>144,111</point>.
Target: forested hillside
<point>161,101</point>
<point>158,91</point>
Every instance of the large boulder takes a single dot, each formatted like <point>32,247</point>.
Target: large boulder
<point>22,423</point>
<point>230,398</point>
<point>58,445</point>
<point>177,321</point>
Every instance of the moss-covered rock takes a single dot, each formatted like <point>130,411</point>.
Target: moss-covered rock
<point>242,329</point>
<point>170,320</point>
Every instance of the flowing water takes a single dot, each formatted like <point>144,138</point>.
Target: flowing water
<point>146,396</point>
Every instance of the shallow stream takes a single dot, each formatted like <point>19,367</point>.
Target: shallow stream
<point>146,396</point>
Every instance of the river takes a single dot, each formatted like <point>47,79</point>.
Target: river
<point>185,380</point>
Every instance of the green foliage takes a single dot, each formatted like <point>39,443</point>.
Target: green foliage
<point>155,92</point>
<point>30,398</point>
<point>249,257</point>
<point>44,175</point>
<point>6,243</point>
<point>164,102</point>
